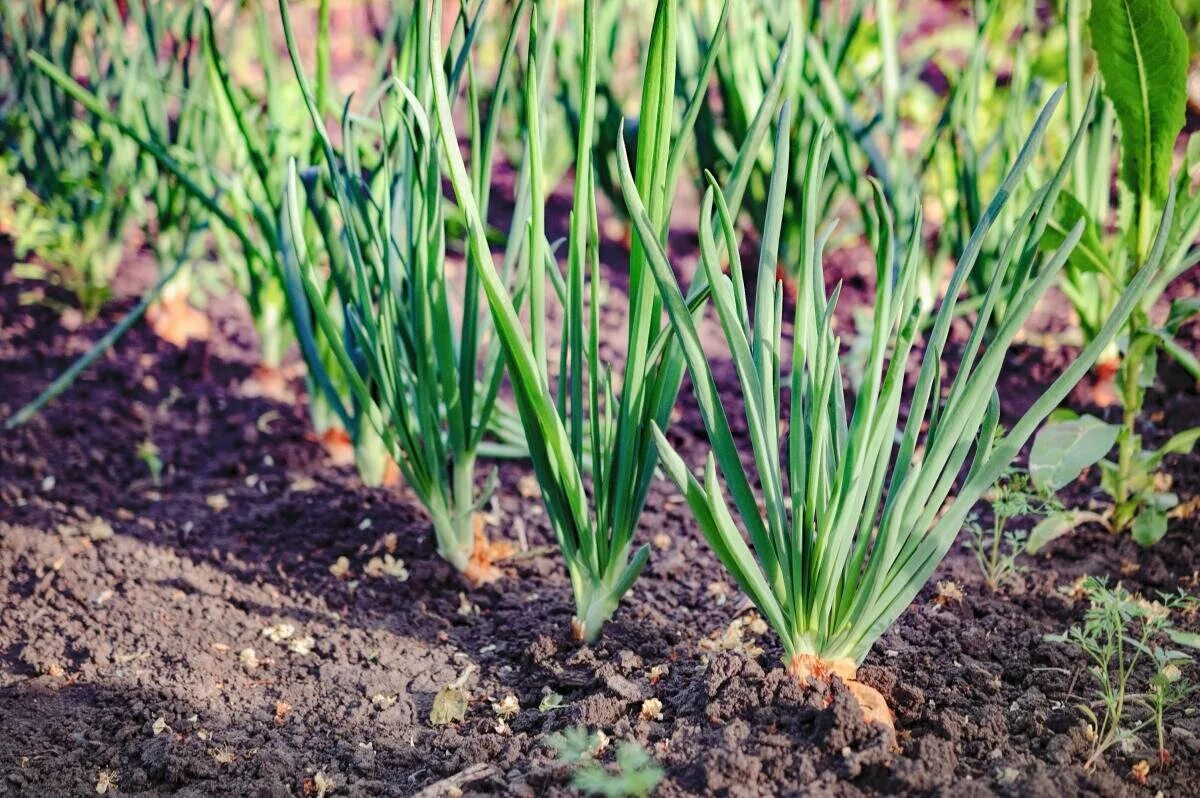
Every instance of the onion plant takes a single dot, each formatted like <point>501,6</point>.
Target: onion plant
<point>1142,57</point>
<point>385,311</point>
<point>71,176</point>
<point>990,103</point>
<point>581,417</point>
<point>235,173</point>
<point>845,74</point>
<point>172,106</point>
<point>885,121</point>
<point>747,82</point>
<point>229,173</point>
<point>849,520</point>
<point>159,43</point>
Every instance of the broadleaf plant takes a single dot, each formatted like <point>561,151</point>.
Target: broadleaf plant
<point>1067,445</point>
<point>1142,56</point>
<point>848,523</point>
<point>1141,51</point>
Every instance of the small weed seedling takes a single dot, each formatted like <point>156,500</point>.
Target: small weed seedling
<point>1135,666</point>
<point>632,775</point>
<point>997,548</point>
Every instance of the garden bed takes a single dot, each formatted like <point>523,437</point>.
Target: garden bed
<point>143,638</point>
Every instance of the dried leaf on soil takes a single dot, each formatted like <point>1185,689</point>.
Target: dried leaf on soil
<point>249,658</point>
<point>106,780</point>
<point>481,569</point>
<point>302,646</point>
<point>550,701</point>
<point>719,592</point>
<point>947,591</point>
<point>387,565</point>
<point>382,702</point>
<point>651,709</point>
<point>527,486</point>
<point>733,638</point>
<point>340,568</point>
<point>302,484</point>
<point>449,706</point>
<point>279,632</point>
<point>98,529</point>
<point>177,322</point>
<point>507,706</point>
<point>318,786</point>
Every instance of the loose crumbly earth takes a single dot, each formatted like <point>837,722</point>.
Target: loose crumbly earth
<point>141,639</point>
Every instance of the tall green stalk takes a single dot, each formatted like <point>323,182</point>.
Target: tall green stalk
<point>235,173</point>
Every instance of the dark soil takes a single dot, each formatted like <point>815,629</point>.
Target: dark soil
<point>129,607</point>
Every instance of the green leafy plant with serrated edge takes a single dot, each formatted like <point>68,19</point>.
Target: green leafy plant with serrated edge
<point>1122,638</point>
<point>848,524</point>
<point>634,772</point>
<point>997,549</point>
<point>1142,57</point>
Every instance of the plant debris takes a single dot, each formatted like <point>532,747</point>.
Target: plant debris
<point>106,780</point>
